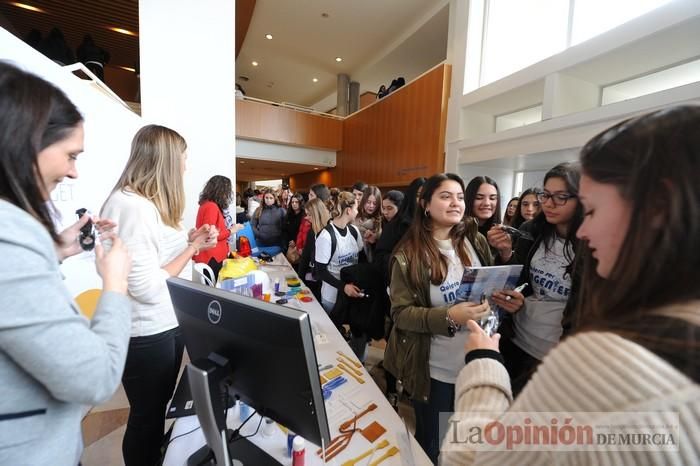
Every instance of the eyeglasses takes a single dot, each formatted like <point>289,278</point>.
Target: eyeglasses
<point>558,199</point>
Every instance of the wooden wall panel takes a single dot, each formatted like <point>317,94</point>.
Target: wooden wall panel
<point>302,181</point>
<point>265,122</point>
<point>399,137</point>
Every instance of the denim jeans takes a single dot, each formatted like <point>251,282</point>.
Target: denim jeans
<point>441,400</point>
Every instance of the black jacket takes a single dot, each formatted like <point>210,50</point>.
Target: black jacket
<point>364,315</point>
<point>392,233</point>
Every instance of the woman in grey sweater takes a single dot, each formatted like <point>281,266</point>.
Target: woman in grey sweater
<point>625,388</point>
<point>53,361</point>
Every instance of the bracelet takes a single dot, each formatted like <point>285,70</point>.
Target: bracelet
<point>452,326</point>
<point>191,245</point>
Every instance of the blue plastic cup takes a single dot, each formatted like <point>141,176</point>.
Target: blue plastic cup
<point>244,410</point>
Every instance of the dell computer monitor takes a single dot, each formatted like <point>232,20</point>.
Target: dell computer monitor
<point>269,347</point>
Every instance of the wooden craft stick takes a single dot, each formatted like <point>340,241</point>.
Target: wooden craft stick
<point>347,424</point>
<point>348,371</point>
<point>350,360</point>
<point>392,451</point>
<point>383,444</point>
<point>357,372</point>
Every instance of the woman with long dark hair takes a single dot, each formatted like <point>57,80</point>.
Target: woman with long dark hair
<point>528,207</point>
<point>511,210</point>
<point>392,232</point>
<point>293,219</point>
<point>268,221</point>
<point>633,360</point>
<point>426,348</point>
<point>369,219</point>
<point>483,199</point>
<point>213,200</point>
<point>53,361</point>
<point>542,313</point>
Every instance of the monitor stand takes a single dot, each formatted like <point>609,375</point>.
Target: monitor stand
<point>243,453</point>
<point>207,383</point>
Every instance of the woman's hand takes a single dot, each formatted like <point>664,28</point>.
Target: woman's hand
<point>193,234</point>
<point>113,266</point>
<point>201,238</point>
<point>500,240</point>
<point>478,339</point>
<point>370,237</point>
<point>514,304</point>
<point>69,245</point>
<point>463,312</point>
<point>352,290</point>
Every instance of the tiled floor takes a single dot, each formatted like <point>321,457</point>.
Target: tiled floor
<point>104,426</point>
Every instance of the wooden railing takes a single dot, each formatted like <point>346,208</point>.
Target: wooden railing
<point>395,139</point>
<point>279,123</point>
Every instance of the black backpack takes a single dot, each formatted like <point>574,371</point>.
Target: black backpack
<point>334,243</point>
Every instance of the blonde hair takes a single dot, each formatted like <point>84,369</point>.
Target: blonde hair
<point>345,200</point>
<point>318,214</point>
<point>154,171</point>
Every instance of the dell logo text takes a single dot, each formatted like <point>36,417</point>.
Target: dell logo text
<point>214,312</point>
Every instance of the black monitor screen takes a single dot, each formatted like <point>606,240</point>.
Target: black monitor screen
<point>270,349</point>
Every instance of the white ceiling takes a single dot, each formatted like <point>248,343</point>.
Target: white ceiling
<point>304,44</point>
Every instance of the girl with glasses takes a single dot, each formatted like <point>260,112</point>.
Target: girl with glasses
<point>547,253</point>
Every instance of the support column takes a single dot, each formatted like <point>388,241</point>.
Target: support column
<point>343,91</point>
<point>187,83</point>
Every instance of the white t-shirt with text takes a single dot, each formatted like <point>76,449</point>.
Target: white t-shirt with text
<point>447,353</point>
<point>346,253</point>
<point>537,326</point>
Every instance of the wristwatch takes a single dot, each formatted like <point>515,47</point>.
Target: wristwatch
<point>452,326</point>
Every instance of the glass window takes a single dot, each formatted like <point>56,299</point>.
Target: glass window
<point>593,17</point>
<point>519,33</point>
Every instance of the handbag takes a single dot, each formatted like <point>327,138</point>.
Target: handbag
<point>293,255</point>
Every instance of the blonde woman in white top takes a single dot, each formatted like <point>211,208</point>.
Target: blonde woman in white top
<point>147,203</point>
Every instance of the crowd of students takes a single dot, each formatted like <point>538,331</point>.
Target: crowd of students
<point>608,247</point>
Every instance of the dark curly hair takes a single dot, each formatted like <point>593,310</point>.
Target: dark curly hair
<point>217,190</point>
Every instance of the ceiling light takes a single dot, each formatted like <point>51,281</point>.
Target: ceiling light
<point>122,31</point>
<point>127,68</point>
<point>254,63</point>
<point>316,168</point>
<point>338,59</point>
<point>27,7</point>
<point>268,36</point>
<point>315,80</point>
